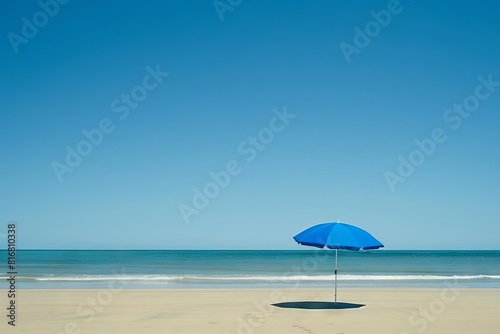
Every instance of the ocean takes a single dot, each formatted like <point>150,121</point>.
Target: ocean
<point>196,269</point>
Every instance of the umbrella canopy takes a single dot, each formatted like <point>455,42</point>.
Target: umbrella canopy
<point>337,236</point>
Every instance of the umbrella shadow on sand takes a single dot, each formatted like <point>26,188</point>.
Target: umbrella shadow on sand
<point>315,305</point>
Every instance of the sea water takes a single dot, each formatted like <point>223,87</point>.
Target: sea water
<point>173,269</point>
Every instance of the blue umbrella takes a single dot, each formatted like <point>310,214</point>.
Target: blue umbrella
<point>337,236</point>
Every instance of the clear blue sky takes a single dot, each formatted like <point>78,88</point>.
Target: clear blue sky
<point>353,121</point>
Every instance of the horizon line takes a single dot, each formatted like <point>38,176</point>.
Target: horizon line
<point>213,249</point>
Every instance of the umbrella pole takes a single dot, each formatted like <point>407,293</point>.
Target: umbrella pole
<point>335,276</point>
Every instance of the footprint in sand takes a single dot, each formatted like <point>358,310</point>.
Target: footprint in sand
<point>304,329</point>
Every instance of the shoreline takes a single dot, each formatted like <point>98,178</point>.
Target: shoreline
<point>134,285</point>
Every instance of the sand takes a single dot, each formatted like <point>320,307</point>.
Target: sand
<point>398,311</point>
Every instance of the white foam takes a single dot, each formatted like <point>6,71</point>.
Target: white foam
<point>228,278</point>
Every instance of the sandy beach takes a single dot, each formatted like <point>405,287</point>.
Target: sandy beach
<point>398,311</point>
